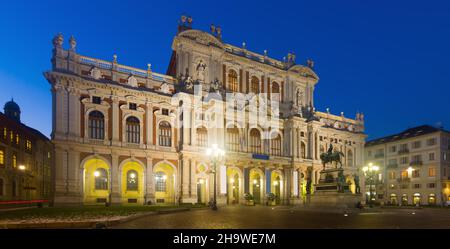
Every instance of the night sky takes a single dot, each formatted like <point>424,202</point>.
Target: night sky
<point>388,59</point>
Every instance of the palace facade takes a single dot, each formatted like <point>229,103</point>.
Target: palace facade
<point>124,135</point>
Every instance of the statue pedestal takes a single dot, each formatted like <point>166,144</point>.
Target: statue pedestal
<point>333,190</point>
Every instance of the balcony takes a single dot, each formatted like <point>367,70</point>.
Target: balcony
<point>380,155</point>
<point>404,180</point>
<point>392,166</point>
<point>403,151</point>
<point>416,163</point>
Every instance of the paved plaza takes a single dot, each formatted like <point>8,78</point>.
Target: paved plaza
<point>296,217</point>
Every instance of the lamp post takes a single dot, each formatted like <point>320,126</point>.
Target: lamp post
<point>216,155</point>
<point>369,172</point>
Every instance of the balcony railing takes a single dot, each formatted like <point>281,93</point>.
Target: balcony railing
<point>379,155</point>
<point>404,179</point>
<point>416,163</point>
<point>403,151</point>
<point>392,165</point>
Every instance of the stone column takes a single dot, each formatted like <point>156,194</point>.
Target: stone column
<point>185,180</point>
<point>149,183</point>
<point>115,121</point>
<point>72,173</point>
<point>115,180</point>
<point>287,188</point>
<point>149,124</point>
<point>74,114</point>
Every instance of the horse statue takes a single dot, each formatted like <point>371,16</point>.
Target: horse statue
<point>331,156</point>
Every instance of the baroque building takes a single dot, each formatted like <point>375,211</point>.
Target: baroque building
<point>127,135</point>
<point>414,165</point>
<point>26,161</point>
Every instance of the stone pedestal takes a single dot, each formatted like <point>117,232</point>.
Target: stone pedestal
<point>333,191</point>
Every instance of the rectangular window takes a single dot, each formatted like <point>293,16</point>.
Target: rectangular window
<point>165,112</point>
<point>392,162</point>
<point>417,158</point>
<point>431,185</point>
<point>417,185</point>
<point>416,144</point>
<point>392,175</point>
<point>404,160</point>
<point>2,158</point>
<point>96,100</point>
<point>5,133</point>
<point>404,174</point>
<point>28,145</point>
<point>404,147</point>
<point>393,148</point>
<point>431,141</point>
<point>431,171</point>
<point>133,106</point>
<point>431,156</point>
<point>416,173</point>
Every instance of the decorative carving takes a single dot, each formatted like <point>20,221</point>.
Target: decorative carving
<point>331,156</point>
<point>58,40</point>
<point>216,85</point>
<point>132,81</point>
<point>201,71</point>
<point>299,98</point>
<point>73,43</point>
<point>164,88</point>
<point>96,73</point>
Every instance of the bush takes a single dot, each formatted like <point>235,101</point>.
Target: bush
<point>248,197</point>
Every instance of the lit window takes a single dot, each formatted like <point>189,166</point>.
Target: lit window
<point>101,179</point>
<point>5,133</point>
<point>14,160</point>
<point>11,136</point>
<point>28,145</point>
<point>232,139</point>
<point>202,137</point>
<point>132,180</point>
<point>96,125</point>
<point>254,85</point>
<point>255,141</point>
<point>17,139</point>
<point>2,157</point>
<point>165,134</point>
<point>431,171</point>
<point>233,81</point>
<point>160,181</point>
<point>133,130</point>
<point>275,145</point>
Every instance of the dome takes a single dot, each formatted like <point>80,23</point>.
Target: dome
<point>12,110</point>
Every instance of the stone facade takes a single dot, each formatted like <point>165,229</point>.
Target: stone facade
<point>145,133</point>
<point>414,166</point>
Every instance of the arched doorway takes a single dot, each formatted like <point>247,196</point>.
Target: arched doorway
<point>164,180</point>
<point>431,199</point>
<point>277,186</point>
<point>96,181</point>
<point>416,199</point>
<point>404,200</point>
<point>393,199</point>
<point>132,183</point>
<point>256,186</point>
<point>233,188</point>
<point>201,190</point>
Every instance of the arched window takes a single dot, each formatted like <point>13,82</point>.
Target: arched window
<point>132,180</point>
<point>96,125</point>
<point>275,145</point>
<point>254,87</point>
<point>431,199</point>
<point>133,130</point>
<point>233,81</point>
<point>202,137</point>
<point>2,187</point>
<point>232,139</point>
<point>165,134</point>
<point>349,158</point>
<point>302,150</point>
<point>101,179</point>
<point>160,181</point>
<point>275,91</point>
<point>255,141</point>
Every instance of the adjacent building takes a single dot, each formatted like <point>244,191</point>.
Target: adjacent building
<point>414,166</point>
<point>26,160</point>
<point>125,135</point>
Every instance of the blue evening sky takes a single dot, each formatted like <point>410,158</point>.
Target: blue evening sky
<point>388,59</point>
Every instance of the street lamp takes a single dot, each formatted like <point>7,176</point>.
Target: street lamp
<point>216,155</point>
<point>370,171</point>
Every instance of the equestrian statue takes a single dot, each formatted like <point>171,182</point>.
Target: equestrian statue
<point>331,156</point>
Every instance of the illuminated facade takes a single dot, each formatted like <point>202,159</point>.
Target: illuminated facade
<point>127,135</point>
<point>414,166</point>
<point>26,160</point>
